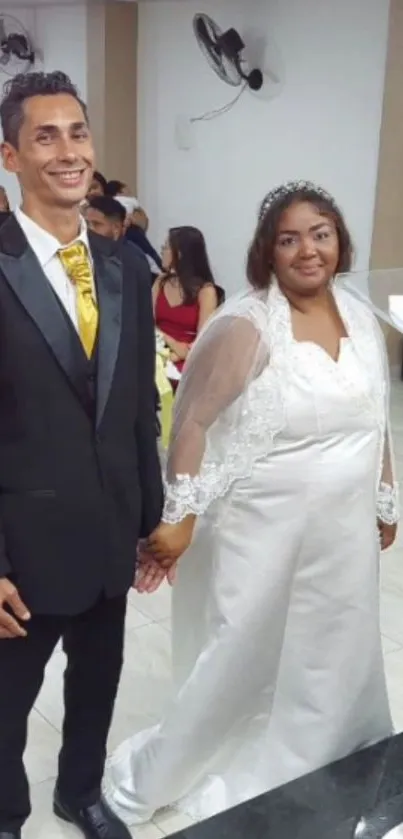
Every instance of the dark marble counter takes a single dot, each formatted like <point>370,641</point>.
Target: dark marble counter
<point>360,797</point>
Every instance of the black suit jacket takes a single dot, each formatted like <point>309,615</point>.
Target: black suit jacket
<point>136,236</point>
<point>78,486</point>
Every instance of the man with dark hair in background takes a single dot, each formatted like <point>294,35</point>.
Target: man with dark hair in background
<point>80,479</point>
<point>105,216</point>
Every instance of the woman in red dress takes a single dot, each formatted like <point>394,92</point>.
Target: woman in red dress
<point>185,295</point>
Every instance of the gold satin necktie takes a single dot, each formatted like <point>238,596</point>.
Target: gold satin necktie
<point>76,262</point>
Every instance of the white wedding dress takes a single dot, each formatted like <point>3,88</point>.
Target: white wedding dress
<point>276,639</point>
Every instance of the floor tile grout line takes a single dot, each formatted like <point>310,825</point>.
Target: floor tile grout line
<point>162,832</point>
<point>45,719</point>
<point>145,626</point>
<point>152,619</point>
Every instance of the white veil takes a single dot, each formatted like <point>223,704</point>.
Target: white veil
<point>212,443</point>
<point>382,291</point>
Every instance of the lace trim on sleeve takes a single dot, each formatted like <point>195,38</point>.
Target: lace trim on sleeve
<point>388,503</point>
<point>192,496</point>
<point>230,456</point>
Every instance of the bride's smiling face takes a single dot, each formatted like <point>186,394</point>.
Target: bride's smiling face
<point>306,250</point>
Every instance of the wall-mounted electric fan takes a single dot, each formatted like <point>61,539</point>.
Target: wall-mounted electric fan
<point>225,53</point>
<point>17,54</point>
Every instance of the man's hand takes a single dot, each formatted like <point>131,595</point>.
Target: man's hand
<point>9,627</point>
<point>149,573</point>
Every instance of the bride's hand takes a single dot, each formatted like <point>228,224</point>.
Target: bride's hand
<point>169,541</point>
<point>387,534</point>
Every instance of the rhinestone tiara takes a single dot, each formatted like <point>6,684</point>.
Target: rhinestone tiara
<point>288,189</point>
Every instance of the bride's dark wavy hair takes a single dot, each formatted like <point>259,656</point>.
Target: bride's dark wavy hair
<point>260,261</point>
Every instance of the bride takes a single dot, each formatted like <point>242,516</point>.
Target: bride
<point>279,493</point>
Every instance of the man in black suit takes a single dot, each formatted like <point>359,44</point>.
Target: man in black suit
<point>79,473</point>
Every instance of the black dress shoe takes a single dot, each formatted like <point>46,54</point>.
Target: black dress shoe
<point>96,822</point>
<point>10,835</point>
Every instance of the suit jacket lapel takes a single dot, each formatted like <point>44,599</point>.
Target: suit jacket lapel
<point>108,274</point>
<point>25,277</point>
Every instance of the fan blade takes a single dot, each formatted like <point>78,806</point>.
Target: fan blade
<point>207,32</point>
<point>208,35</point>
<point>214,31</point>
<point>207,42</point>
<point>204,35</point>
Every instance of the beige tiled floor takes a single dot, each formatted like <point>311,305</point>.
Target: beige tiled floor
<point>145,684</point>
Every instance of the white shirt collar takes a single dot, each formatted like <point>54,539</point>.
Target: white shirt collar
<point>44,245</point>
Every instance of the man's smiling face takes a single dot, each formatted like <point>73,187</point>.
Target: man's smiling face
<point>54,155</point>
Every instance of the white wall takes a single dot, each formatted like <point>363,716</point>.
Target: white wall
<point>61,34</point>
<point>324,126</point>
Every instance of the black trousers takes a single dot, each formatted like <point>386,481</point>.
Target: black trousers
<point>93,643</point>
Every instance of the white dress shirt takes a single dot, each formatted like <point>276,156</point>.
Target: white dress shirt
<point>46,247</point>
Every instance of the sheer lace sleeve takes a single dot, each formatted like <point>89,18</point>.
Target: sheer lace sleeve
<point>388,489</point>
<point>212,433</point>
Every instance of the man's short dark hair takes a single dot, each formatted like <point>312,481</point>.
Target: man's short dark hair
<point>109,207</point>
<point>24,86</point>
<point>113,188</point>
<point>97,176</point>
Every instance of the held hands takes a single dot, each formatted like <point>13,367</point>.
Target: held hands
<point>150,574</point>
<point>157,558</point>
<point>9,626</point>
